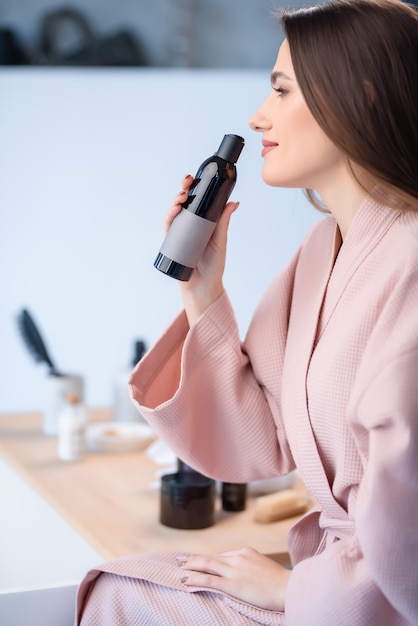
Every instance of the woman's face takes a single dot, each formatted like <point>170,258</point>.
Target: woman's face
<point>296,151</point>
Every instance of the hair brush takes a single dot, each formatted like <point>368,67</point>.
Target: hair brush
<point>33,340</point>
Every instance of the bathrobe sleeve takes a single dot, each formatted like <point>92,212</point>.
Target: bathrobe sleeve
<point>217,401</point>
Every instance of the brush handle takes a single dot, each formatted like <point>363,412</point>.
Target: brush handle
<point>33,340</point>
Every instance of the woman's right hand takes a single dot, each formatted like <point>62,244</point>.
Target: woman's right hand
<point>205,284</point>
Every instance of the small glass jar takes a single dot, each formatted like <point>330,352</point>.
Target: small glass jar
<point>72,429</point>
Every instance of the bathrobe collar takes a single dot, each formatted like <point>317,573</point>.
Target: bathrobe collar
<point>330,269</point>
<point>370,224</point>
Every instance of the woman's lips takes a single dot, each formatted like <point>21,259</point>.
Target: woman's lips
<point>268,146</point>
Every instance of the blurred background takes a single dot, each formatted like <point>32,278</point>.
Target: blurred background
<point>162,33</point>
<point>104,107</point>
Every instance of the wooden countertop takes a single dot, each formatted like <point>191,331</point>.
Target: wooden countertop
<point>108,500</point>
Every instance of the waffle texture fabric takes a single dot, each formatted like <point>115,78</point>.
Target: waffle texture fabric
<point>325,381</point>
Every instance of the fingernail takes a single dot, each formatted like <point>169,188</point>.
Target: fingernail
<point>184,579</point>
<point>181,563</point>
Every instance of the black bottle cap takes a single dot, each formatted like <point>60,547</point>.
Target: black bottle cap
<point>230,148</point>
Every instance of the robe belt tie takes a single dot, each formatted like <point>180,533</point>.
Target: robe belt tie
<point>336,528</point>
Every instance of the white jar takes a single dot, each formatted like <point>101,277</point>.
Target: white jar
<point>72,429</point>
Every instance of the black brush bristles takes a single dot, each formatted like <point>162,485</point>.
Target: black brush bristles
<point>33,340</point>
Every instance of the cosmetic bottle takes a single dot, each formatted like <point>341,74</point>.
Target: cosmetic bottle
<point>192,228</point>
<point>124,409</point>
<point>234,496</point>
<point>71,429</point>
<point>187,499</point>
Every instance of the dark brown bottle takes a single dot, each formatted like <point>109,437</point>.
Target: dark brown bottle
<point>192,228</point>
<point>234,496</point>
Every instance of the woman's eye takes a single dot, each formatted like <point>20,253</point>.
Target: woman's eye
<point>280,91</point>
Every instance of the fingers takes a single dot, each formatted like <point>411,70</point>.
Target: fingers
<point>203,563</point>
<point>221,233</point>
<point>181,197</point>
<point>216,565</point>
<point>221,564</point>
<point>174,210</point>
<point>205,571</point>
<point>219,572</point>
<point>186,184</point>
<point>210,582</point>
<point>187,181</point>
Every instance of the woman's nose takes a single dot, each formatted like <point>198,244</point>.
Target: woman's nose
<point>258,121</point>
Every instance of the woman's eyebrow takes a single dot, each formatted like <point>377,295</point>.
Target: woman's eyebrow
<point>276,76</point>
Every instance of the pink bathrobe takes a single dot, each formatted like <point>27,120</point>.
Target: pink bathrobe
<point>326,381</point>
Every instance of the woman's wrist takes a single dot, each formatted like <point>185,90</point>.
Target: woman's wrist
<point>197,301</point>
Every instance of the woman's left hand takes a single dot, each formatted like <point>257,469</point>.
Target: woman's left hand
<point>244,574</point>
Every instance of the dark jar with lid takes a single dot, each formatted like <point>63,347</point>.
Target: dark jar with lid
<point>187,499</point>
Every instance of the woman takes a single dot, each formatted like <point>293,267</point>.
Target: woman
<point>326,379</point>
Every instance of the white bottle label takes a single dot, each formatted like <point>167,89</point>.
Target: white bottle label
<point>188,236</point>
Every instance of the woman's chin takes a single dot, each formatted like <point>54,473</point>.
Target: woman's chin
<point>273,180</point>
<point>271,177</point>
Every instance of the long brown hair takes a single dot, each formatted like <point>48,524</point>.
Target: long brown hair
<point>356,62</point>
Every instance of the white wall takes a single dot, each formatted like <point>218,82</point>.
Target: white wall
<point>89,163</point>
